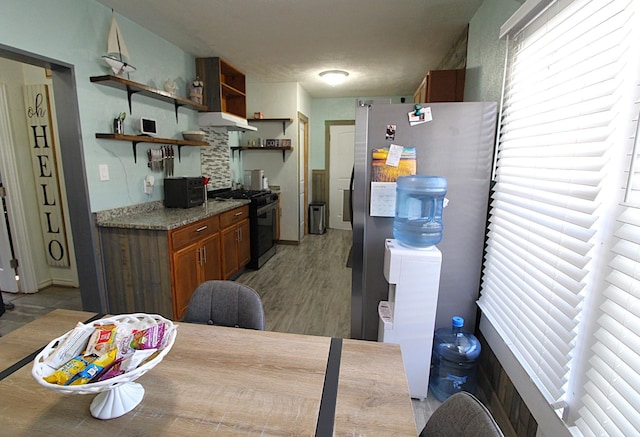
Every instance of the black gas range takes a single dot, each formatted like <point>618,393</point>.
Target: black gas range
<point>257,197</point>
<point>263,222</point>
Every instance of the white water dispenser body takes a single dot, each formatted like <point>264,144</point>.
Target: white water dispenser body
<point>408,317</point>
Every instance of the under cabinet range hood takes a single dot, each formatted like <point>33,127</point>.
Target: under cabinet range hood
<point>224,120</point>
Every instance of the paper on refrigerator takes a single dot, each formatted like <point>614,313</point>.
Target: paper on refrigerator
<point>387,165</point>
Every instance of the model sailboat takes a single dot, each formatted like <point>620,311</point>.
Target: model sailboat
<point>117,53</point>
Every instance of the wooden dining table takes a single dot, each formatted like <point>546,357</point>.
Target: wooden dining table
<point>221,381</point>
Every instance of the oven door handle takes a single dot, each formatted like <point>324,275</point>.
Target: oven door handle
<point>265,208</point>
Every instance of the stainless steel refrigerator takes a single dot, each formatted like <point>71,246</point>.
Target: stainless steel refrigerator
<point>458,144</point>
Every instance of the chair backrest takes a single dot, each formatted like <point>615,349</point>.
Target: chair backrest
<point>462,414</point>
<point>225,303</point>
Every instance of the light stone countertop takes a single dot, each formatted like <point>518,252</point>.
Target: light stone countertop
<point>155,216</point>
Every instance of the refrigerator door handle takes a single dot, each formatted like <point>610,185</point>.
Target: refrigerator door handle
<point>351,196</point>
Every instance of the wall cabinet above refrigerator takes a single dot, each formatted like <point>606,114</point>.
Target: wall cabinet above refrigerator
<point>441,86</point>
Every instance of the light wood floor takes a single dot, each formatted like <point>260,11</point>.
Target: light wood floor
<point>306,288</point>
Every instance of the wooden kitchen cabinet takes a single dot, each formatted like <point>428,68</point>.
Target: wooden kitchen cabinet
<point>156,271</point>
<point>235,236</point>
<point>225,86</point>
<point>195,258</point>
<point>441,86</point>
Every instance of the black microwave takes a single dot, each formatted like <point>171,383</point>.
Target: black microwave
<point>183,192</point>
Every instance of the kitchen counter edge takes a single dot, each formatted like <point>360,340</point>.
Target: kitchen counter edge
<point>165,219</point>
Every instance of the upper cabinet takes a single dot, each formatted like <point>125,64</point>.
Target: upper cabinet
<point>441,86</point>
<point>224,86</point>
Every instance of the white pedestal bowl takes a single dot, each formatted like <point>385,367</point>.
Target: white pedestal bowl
<point>116,396</point>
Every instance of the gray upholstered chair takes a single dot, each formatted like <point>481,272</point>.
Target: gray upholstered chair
<point>462,414</point>
<point>225,303</point>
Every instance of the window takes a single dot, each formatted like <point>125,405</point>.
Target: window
<point>558,266</point>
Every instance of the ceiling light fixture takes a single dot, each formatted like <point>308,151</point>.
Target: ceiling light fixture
<point>334,77</point>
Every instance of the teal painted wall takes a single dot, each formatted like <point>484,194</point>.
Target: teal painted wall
<point>75,32</point>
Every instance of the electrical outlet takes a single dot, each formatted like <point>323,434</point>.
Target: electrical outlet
<point>148,184</point>
<point>104,172</point>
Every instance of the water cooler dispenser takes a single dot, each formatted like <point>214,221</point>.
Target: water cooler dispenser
<point>408,317</point>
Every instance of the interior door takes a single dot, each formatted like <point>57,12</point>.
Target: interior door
<point>341,144</point>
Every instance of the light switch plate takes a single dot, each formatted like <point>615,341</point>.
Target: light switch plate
<point>104,172</point>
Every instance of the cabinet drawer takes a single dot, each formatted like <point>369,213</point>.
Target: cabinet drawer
<point>234,216</point>
<point>196,231</point>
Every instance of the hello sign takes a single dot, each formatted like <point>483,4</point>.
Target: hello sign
<point>43,158</point>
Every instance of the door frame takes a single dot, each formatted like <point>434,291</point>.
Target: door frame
<point>15,209</point>
<point>304,120</point>
<point>327,157</point>
<point>82,221</point>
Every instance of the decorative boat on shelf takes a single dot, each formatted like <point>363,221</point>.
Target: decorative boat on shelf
<point>117,54</point>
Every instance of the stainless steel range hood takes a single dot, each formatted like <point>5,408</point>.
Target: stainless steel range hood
<point>224,120</point>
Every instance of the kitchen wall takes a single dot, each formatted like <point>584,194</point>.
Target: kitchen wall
<point>334,109</point>
<point>485,52</point>
<point>75,32</point>
<point>277,100</point>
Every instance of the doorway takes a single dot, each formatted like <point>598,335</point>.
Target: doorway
<point>340,155</point>
<point>82,222</point>
<point>34,197</point>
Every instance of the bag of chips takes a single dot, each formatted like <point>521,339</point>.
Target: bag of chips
<point>65,373</point>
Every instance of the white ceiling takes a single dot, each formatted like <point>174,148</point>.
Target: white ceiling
<point>387,46</point>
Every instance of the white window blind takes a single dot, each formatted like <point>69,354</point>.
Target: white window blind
<point>610,405</point>
<point>560,154</point>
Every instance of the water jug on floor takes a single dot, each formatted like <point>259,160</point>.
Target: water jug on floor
<point>419,204</point>
<point>453,361</point>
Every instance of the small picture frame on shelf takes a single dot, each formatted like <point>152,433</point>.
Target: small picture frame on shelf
<point>272,142</point>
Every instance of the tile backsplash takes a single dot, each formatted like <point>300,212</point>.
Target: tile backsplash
<point>215,162</point>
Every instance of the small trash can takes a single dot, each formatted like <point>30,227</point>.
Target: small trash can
<point>316,218</point>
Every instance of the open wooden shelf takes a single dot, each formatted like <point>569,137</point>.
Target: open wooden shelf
<point>226,86</point>
<point>284,121</point>
<point>264,149</point>
<point>135,139</point>
<point>132,88</point>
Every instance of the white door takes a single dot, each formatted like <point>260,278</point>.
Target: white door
<point>341,149</point>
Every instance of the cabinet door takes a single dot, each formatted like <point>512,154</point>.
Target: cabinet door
<point>229,251</point>
<point>211,267</point>
<point>186,277</point>
<point>445,86</point>
<point>244,244</point>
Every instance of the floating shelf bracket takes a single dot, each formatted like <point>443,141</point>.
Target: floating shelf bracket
<point>130,92</point>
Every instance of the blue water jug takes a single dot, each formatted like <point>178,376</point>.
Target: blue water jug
<point>453,361</point>
<point>419,204</point>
